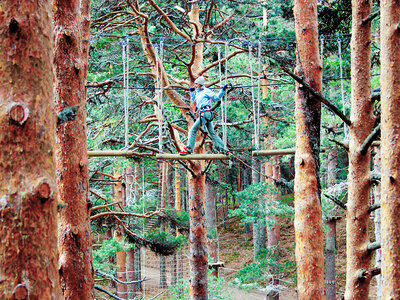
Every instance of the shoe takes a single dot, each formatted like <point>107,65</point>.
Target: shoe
<point>185,151</point>
<point>224,153</point>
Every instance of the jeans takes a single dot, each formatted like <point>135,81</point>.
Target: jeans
<point>205,119</point>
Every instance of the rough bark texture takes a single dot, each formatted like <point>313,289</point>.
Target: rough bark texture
<point>28,210</point>
<point>121,263</point>
<point>330,282</point>
<point>75,244</point>
<point>362,121</point>
<point>308,216</point>
<point>377,221</point>
<point>198,256</point>
<point>390,147</point>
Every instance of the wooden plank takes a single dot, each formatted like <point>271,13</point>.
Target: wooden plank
<point>193,157</point>
<point>118,153</point>
<point>273,152</point>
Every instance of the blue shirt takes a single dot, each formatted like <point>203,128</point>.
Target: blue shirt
<point>202,98</point>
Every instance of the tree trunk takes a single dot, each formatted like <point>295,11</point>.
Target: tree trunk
<point>178,207</point>
<point>390,83</point>
<point>308,216</point>
<point>377,221</point>
<point>121,264</point>
<point>362,122</point>
<point>211,218</point>
<point>75,244</point>
<point>28,209</point>
<point>130,254</point>
<point>197,237</point>
<point>330,278</point>
<point>119,236</point>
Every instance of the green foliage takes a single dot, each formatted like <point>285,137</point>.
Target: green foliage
<point>257,274</point>
<point>101,256</point>
<point>165,242</point>
<point>252,206</point>
<point>216,289</point>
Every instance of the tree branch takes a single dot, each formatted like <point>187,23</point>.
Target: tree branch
<point>117,213</point>
<point>373,246</point>
<point>119,281</point>
<point>374,207</point>
<point>317,95</point>
<point>336,201</point>
<point>370,17</point>
<point>372,137</point>
<point>97,287</point>
<point>168,20</point>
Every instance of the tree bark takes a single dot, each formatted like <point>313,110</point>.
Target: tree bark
<point>198,256</point>
<point>390,84</point>
<point>359,186</point>
<point>28,209</point>
<point>377,221</point>
<point>330,278</point>
<point>308,215</point>
<point>75,244</point>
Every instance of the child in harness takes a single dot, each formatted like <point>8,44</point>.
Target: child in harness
<point>201,96</point>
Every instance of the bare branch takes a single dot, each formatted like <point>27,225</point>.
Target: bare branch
<point>118,213</point>
<point>372,137</point>
<point>370,17</point>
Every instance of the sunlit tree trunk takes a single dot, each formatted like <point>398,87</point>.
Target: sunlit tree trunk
<point>358,276</point>
<point>75,244</point>
<point>308,216</point>
<point>390,99</point>
<point>28,209</point>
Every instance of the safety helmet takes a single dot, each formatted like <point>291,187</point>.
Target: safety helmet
<point>200,80</point>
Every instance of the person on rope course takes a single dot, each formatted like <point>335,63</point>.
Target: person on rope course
<point>201,97</point>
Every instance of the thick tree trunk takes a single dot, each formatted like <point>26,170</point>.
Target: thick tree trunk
<point>308,216</point>
<point>330,278</point>
<point>28,209</point>
<point>198,260</point>
<point>390,147</point>
<point>362,121</point>
<point>75,244</point>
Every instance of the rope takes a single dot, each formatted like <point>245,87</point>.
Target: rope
<point>346,128</point>
<point>224,131</point>
<point>125,62</point>
<point>222,100</point>
<point>259,95</point>
<point>253,99</point>
<point>159,85</point>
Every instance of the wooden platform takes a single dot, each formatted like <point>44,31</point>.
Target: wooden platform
<point>193,157</point>
<point>124,153</point>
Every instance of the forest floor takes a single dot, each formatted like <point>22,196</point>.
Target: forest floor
<point>236,250</point>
